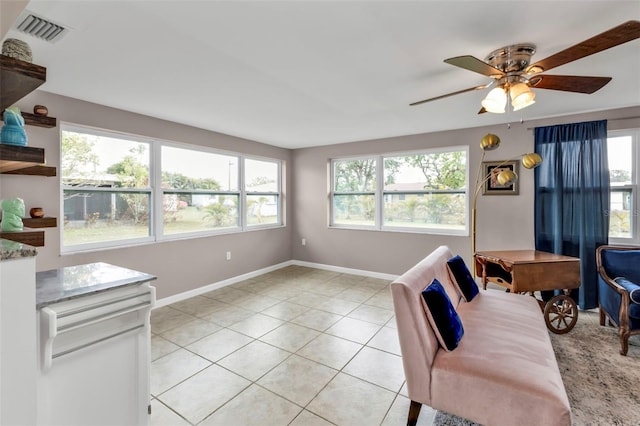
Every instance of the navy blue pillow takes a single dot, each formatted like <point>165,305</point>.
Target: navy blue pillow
<point>631,287</point>
<point>442,316</point>
<point>463,281</point>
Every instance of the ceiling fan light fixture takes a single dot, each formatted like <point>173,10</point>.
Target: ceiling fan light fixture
<point>495,101</point>
<point>521,96</point>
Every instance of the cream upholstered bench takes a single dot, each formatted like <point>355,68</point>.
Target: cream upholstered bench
<point>503,370</point>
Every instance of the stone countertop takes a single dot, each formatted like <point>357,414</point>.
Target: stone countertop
<point>13,250</point>
<point>67,283</point>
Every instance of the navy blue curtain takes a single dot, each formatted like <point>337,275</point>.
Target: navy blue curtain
<point>572,197</point>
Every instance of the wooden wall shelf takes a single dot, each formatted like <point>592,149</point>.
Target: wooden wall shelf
<point>33,171</point>
<point>41,222</point>
<point>24,160</point>
<point>25,154</point>
<point>33,238</point>
<point>18,79</point>
<point>37,120</point>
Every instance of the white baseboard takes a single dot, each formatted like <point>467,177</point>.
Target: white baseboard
<point>342,270</point>
<point>210,287</point>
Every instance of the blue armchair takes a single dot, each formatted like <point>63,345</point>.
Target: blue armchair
<point>619,290</point>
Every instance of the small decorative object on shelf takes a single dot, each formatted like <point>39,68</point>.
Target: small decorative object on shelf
<point>13,132</point>
<point>12,212</point>
<point>36,212</point>
<point>40,110</point>
<point>14,48</point>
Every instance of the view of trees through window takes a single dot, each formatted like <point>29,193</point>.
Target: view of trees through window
<point>620,153</point>
<point>420,191</point>
<point>194,198</point>
<point>262,189</point>
<point>106,195</point>
<point>354,191</point>
<point>108,190</point>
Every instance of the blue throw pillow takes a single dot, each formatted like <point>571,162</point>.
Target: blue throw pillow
<point>443,318</point>
<point>631,287</point>
<point>463,280</point>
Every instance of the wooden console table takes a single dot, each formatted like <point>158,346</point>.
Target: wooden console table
<point>528,271</point>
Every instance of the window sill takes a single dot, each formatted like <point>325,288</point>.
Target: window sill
<point>164,239</point>
<point>428,231</point>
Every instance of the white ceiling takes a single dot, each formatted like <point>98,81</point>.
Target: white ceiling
<point>306,73</point>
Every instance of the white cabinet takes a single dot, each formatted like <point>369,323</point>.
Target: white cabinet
<point>17,339</point>
<point>94,348</point>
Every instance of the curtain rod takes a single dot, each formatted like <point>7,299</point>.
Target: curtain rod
<point>610,119</point>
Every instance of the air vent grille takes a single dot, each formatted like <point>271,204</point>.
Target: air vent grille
<point>41,28</point>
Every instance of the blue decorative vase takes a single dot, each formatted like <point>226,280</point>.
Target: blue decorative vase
<point>13,132</point>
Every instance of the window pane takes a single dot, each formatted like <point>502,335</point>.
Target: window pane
<point>354,209</point>
<point>354,175</point>
<point>198,212</point>
<point>620,155</point>
<point>262,209</point>
<point>99,161</point>
<point>620,160</point>
<point>435,171</point>
<point>432,171</point>
<point>261,176</point>
<point>445,211</point>
<point>92,217</point>
<point>193,169</point>
<point>620,218</point>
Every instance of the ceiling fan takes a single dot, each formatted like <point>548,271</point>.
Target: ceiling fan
<point>513,76</point>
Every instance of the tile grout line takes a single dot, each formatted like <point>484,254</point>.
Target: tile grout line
<point>378,289</point>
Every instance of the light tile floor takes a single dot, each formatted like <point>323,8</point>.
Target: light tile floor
<point>297,346</point>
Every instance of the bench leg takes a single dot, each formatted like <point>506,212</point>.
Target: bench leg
<point>414,412</point>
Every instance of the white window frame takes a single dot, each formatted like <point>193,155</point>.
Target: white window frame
<point>379,194</point>
<point>634,225</point>
<point>156,225</point>
<point>246,193</point>
<point>149,190</point>
<point>333,193</point>
<point>161,236</point>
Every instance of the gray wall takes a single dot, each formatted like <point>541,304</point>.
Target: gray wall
<point>9,12</point>
<point>180,265</point>
<point>503,222</point>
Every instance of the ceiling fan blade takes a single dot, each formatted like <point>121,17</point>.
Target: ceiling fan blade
<point>474,64</point>
<point>569,83</point>
<point>615,36</point>
<point>470,89</point>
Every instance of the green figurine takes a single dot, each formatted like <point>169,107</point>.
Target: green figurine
<point>12,213</point>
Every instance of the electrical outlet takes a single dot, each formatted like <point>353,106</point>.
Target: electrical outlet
<point>228,255</point>
<point>304,241</point>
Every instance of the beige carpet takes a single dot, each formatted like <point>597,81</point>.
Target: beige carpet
<point>603,386</point>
